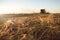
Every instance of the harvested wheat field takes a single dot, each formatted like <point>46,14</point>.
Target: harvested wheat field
<point>38,27</point>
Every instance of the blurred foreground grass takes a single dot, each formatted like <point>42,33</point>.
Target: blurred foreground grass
<point>40,27</point>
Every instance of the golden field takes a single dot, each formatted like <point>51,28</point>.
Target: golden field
<point>30,27</point>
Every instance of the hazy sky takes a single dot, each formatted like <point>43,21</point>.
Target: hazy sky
<point>18,6</point>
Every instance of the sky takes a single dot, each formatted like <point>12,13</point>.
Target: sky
<point>29,6</point>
